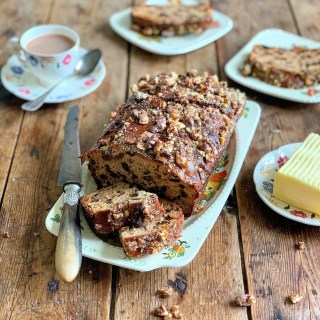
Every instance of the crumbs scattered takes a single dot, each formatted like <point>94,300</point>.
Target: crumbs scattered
<point>174,313</point>
<point>295,298</point>
<point>36,234</point>
<point>245,300</point>
<point>179,284</point>
<point>300,245</point>
<point>164,292</point>
<point>53,286</point>
<point>6,235</point>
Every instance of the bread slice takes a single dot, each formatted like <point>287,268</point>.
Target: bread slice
<point>290,68</point>
<point>170,20</point>
<point>155,235</point>
<point>109,209</point>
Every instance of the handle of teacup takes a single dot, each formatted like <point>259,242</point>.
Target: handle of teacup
<point>13,46</point>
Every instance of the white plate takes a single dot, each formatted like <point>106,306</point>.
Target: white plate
<point>196,228</point>
<point>120,22</point>
<point>19,80</point>
<point>263,177</point>
<point>273,38</point>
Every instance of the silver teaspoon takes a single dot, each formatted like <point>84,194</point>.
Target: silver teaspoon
<point>85,66</point>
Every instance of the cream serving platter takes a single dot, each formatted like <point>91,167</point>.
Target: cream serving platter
<point>196,228</point>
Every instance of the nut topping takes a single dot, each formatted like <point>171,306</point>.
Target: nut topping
<point>143,117</point>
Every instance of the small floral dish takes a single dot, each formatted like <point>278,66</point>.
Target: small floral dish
<point>120,22</point>
<point>263,177</point>
<point>273,38</point>
<point>19,80</point>
<point>196,228</point>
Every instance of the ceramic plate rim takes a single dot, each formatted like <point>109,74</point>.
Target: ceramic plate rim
<point>131,36</point>
<point>205,221</point>
<point>296,95</point>
<point>95,86</point>
<point>280,211</point>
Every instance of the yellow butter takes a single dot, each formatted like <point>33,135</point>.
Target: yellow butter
<point>298,181</point>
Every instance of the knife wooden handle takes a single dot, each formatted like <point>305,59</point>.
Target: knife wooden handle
<point>69,245</point>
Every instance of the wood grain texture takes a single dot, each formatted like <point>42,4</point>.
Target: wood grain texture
<point>30,288</point>
<point>214,276</point>
<point>10,113</point>
<point>274,268</point>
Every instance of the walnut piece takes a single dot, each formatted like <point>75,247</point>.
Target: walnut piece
<point>300,245</point>
<point>161,311</point>
<point>295,298</point>
<point>164,292</point>
<point>175,310</point>
<point>245,300</point>
<point>6,235</point>
<point>143,117</point>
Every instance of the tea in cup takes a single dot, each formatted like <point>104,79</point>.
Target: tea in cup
<point>50,51</point>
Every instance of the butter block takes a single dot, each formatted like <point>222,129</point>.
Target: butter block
<point>298,181</point>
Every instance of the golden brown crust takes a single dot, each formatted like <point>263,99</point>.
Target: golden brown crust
<point>290,68</point>
<point>170,20</point>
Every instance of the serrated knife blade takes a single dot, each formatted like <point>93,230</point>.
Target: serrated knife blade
<point>68,254</point>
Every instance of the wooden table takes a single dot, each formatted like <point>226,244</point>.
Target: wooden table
<point>250,249</point>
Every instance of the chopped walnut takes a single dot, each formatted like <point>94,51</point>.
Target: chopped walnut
<point>245,300</point>
<point>164,292</point>
<point>113,115</point>
<point>134,88</point>
<point>181,161</point>
<point>36,234</point>
<point>295,298</point>
<point>6,235</point>
<point>118,216</point>
<point>161,311</point>
<point>301,245</point>
<point>143,117</point>
<point>175,310</point>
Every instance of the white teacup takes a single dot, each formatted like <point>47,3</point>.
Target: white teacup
<point>50,51</point>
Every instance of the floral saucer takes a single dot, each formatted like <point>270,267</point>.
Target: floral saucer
<point>263,177</point>
<point>18,79</point>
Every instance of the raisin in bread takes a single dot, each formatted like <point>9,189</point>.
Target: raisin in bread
<point>170,20</point>
<point>291,68</point>
<point>153,235</point>
<point>109,209</point>
<point>168,137</point>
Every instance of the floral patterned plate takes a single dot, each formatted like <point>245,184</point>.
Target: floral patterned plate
<point>196,228</point>
<point>17,79</point>
<point>273,38</point>
<point>263,177</point>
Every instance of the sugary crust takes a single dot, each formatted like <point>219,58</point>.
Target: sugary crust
<point>153,236</point>
<point>291,68</point>
<point>168,136</point>
<point>170,20</point>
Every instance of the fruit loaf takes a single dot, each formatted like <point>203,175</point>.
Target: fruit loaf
<point>168,137</point>
<point>170,20</point>
<point>290,68</point>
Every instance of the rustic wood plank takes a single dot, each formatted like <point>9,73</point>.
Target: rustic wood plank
<point>10,113</point>
<point>274,268</point>
<point>306,16</point>
<point>214,276</point>
<point>29,285</point>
